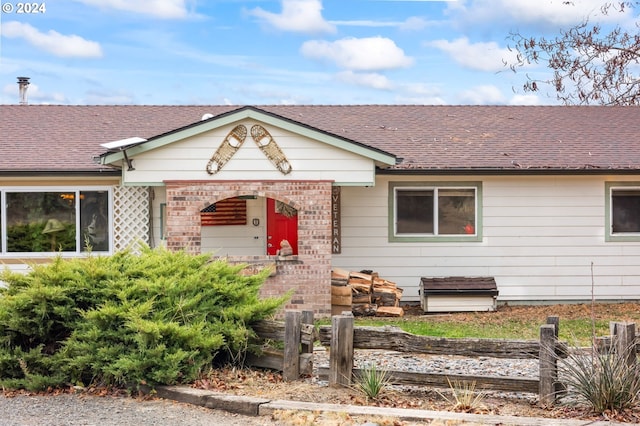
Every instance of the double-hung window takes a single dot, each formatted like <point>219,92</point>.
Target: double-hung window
<point>423,211</point>
<point>60,220</point>
<point>623,211</point>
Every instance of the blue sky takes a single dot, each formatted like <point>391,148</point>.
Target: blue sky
<point>276,52</point>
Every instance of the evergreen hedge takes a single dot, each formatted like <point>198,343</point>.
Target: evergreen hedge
<point>156,317</point>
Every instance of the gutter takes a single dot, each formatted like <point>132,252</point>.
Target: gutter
<point>505,172</point>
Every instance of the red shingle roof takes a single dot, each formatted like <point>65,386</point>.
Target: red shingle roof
<point>434,138</point>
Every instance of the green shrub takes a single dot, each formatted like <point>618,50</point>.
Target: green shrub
<point>157,317</point>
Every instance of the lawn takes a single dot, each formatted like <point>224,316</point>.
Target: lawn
<point>577,321</point>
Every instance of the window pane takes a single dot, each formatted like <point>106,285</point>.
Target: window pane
<point>94,211</point>
<point>41,221</point>
<point>456,211</point>
<point>625,206</point>
<point>414,211</point>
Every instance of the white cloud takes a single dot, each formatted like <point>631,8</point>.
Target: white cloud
<point>66,46</point>
<point>34,95</point>
<point>359,54</point>
<point>476,56</point>
<point>482,95</point>
<point>372,80</point>
<point>420,94</point>
<point>525,100</point>
<point>302,16</point>
<point>166,9</point>
<point>413,23</point>
<point>551,12</point>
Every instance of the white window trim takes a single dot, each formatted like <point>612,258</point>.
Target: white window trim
<point>79,243</point>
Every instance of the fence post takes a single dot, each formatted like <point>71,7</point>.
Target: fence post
<point>292,329</point>
<point>307,318</point>
<point>560,388</point>
<point>624,339</point>
<point>341,350</point>
<point>548,365</point>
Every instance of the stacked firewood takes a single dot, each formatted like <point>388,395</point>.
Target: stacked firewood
<point>370,295</point>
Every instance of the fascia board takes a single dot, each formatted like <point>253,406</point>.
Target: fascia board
<point>198,128</point>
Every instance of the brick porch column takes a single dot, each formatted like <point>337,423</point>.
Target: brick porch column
<point>310,276</point>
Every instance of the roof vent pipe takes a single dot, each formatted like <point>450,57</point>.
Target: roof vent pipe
<point>23,84</point>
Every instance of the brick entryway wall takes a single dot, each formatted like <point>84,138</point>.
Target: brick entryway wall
<point>309,276</point>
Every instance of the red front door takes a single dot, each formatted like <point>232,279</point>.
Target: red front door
<point>281,226</point>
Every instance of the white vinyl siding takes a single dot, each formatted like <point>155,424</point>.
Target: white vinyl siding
<point>540,236</point>
<point>310,160</point>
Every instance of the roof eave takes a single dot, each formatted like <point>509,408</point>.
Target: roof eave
<point>375,154</point>
<point>75,173</point>
<point>511,172</point>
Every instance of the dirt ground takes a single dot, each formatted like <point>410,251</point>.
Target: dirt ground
<point>267,384</point>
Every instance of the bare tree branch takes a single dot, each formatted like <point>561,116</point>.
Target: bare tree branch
<point>589,66</point>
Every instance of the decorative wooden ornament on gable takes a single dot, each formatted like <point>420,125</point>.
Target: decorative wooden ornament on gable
<point>270,148</point>
<point>229,146</point>
<point>231,211</point>
<point>234,140</point>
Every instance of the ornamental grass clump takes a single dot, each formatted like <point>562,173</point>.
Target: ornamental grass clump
<point>154,317</point>
<point>602,378</point>
<point>372,381</point>
<point>464,396</point>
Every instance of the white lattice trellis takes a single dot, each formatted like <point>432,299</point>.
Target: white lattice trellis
<point>130,216</point>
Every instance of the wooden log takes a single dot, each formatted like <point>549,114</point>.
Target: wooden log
<point>341,300</point>
<point>341,290</point>
<point>339,282</point>
<point>362,286</point>
<point>361,275</point>
<point>339,309</point>
<point>292,327</point>
<point>339,273</point>
<point>274,360</point>
<point>382,283</point>
<point>499,383</point>
<point>341,295</point>
<point>307,319</point>
<point>360,299</point>
<point>364,309</point>
<point>389,311</point>
<point>548,365</point>
<point>341,350</point>
<point>395,339</point>
<point>384,298</point>
<point>274,330</point>
<point>624,334</point>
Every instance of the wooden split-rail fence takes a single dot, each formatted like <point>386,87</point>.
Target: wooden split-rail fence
<point>297,334</point>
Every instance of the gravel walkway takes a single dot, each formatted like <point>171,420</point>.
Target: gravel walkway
<point>443,364</point>
<point>83,410</point>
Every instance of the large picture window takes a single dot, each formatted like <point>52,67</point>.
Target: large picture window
<point>67,221</point>
<point>623,214</point>
<point>445,212</point>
